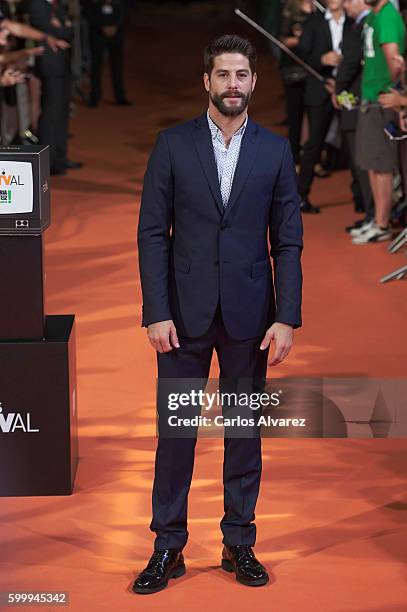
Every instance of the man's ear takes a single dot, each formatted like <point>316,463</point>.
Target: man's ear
<point>206,81</point>
<point>254,81</point>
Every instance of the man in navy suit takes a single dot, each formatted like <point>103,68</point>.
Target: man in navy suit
<point>216,189</point>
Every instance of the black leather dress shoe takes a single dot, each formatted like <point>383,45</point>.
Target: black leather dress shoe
<point>307,207</point>
<point>241,560</point>
<point>163,564</point>
<point>123,102</point>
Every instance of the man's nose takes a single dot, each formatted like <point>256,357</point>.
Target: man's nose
<point>232,81</point>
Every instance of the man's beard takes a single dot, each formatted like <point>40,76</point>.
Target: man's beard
<point>230,111</point>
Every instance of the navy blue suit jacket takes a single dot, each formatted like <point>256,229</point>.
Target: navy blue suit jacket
<point>193,252</point>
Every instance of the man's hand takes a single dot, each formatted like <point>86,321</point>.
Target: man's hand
<point>291,41</point>
<point>110,31</point>
<point>331,59</point>
<point>34,51</point>
<point>56,43</point>
<point>162,335</point>
<point>4,34</point>
<point>400,62</point>
<point>393,99</point>
<point>403,121</point>
<point>330,86</point>
<point>335,102</point>
<point>282,335</point>
<point>56,23</point>
<point>11,77</point>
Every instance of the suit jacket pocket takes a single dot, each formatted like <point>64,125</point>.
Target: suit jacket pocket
<point>260,267</point>
<point>181,263</point>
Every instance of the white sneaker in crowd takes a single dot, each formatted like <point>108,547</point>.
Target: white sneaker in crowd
<point>373,234</point>
<point>358,231</point>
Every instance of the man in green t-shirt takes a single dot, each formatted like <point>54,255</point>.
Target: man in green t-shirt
<point>384,40</point>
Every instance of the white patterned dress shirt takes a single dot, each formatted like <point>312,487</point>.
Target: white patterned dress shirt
<point>336,28</point>
<point>226,157</point>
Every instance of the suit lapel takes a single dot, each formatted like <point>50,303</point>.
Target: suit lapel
<point>203,143</point>
<point>328,34</point>
<point>248,150</point>
<point>347,26</point>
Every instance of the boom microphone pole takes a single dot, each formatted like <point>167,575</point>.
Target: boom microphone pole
<point>319,6</point>
<point>281,46</point>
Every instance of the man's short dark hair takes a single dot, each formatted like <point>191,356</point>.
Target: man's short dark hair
<point>229,43</point>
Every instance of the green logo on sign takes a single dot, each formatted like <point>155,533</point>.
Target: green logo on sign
<point>5,196</point>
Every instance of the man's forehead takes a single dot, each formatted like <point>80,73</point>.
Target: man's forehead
<point>231,61</point>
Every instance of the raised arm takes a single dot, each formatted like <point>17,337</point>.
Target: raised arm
<point>22,30</point>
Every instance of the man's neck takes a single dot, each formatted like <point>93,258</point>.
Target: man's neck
<point>337,15</point>
<point>379,5</point>
<point>227,125</point>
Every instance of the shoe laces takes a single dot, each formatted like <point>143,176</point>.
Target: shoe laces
<point>243,553</point>
<point>157,559</point>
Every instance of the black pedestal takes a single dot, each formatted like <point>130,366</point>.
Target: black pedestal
<point>38,418</point>
<point>22,295</point>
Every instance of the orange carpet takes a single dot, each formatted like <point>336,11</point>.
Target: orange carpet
<point>332,513</point>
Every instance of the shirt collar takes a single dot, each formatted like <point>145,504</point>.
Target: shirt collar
<point>361,16</point>
<point>328,16</point>
<point>215,130</point>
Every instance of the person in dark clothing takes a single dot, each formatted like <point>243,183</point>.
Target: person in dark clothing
<point>54,71</point>
<point>21,30</point>
<point>206,276</point>
<point>319,45</point>
<point>349,78</point>
<point>106,31</point>
<point>295,14</point>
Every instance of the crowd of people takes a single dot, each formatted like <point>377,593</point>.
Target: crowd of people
<point>358,105</point>
<point>354,102</point>
<point>48,50</point>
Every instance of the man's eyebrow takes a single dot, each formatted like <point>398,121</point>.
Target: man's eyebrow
<point>238,70</point>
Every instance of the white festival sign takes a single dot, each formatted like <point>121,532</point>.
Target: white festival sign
<point>16,187</point>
